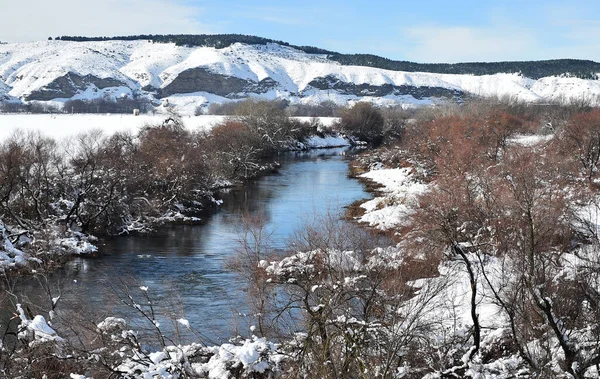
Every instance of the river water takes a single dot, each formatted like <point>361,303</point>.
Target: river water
<point>183,267</point>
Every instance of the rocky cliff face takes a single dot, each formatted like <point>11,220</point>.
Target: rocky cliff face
<point>69,85</point>
<point>364,89</point>
<point>201,79</point>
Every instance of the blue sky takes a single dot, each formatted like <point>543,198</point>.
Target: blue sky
<point>423,31</point>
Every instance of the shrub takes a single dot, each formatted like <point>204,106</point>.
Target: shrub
<point>363,121</point>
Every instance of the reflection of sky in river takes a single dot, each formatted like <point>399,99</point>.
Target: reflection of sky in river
<point>190,259</point>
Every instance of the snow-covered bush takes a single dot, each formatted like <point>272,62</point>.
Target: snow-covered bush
<point>11,257</point>
<point>111,349</point>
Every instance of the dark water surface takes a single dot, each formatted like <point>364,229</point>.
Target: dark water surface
<point>183,266</point>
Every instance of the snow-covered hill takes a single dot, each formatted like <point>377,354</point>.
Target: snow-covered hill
<point>191,76</point>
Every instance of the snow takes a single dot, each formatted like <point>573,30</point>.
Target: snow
<point>530,140</point>
<point>188,103</point>
<point>452,304</point>
<point>303,262</point>
<point>111,324</point>
<point>60,126</point>
<point>314,142</point>
<point>158,356</point>
<point>37,329</point>
<point>248,357</point>
<point>78,244</point>
<point>587,219</point>
<point>250,354</point>
<point>400,193</point>
<point>11,257</point>
<point>27,67</point>
<point>327,122</point>
<point>40,326</point>
<point>565,89</point>
<point>66,125</point>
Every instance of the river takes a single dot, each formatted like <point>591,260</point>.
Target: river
<point>183,267</point>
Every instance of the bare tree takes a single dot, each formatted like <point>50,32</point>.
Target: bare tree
<point>580,140</point>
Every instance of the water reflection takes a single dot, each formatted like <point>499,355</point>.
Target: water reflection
<point>189,260</point>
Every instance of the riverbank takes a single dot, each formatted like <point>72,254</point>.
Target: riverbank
<point>495,276</point>
<point>395,182</point>
<point>185,266</point>
<point>92,186</point>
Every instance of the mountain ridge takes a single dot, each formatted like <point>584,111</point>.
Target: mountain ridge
<point>580,68</point>
<point>188,77</point>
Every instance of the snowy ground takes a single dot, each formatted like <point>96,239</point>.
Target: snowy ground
<point>398,198</point>
<point>530,140</point>
<point>65,125</point>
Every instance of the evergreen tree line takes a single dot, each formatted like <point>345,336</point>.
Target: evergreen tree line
<point>219,41</point>
<point>584,69</point>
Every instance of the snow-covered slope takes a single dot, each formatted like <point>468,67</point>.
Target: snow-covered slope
<point>59,70</point>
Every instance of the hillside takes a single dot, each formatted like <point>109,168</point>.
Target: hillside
<point>583,69</point>
<point>189,76</point>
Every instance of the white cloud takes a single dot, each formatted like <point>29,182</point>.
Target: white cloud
<point>468,44</point>
<point>556,31</point>
<point>39,19</point>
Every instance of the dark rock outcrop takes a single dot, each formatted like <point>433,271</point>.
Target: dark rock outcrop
<point>4,88</point>
<point>68,85</point>
<point>202,79</point>
<point>331,82</point>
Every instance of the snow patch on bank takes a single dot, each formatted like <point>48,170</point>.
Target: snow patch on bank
<point>530,140</point>
<point>318,142</point>
<point>400,191</point>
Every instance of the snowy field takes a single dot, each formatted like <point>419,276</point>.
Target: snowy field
<point>64,125</point>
